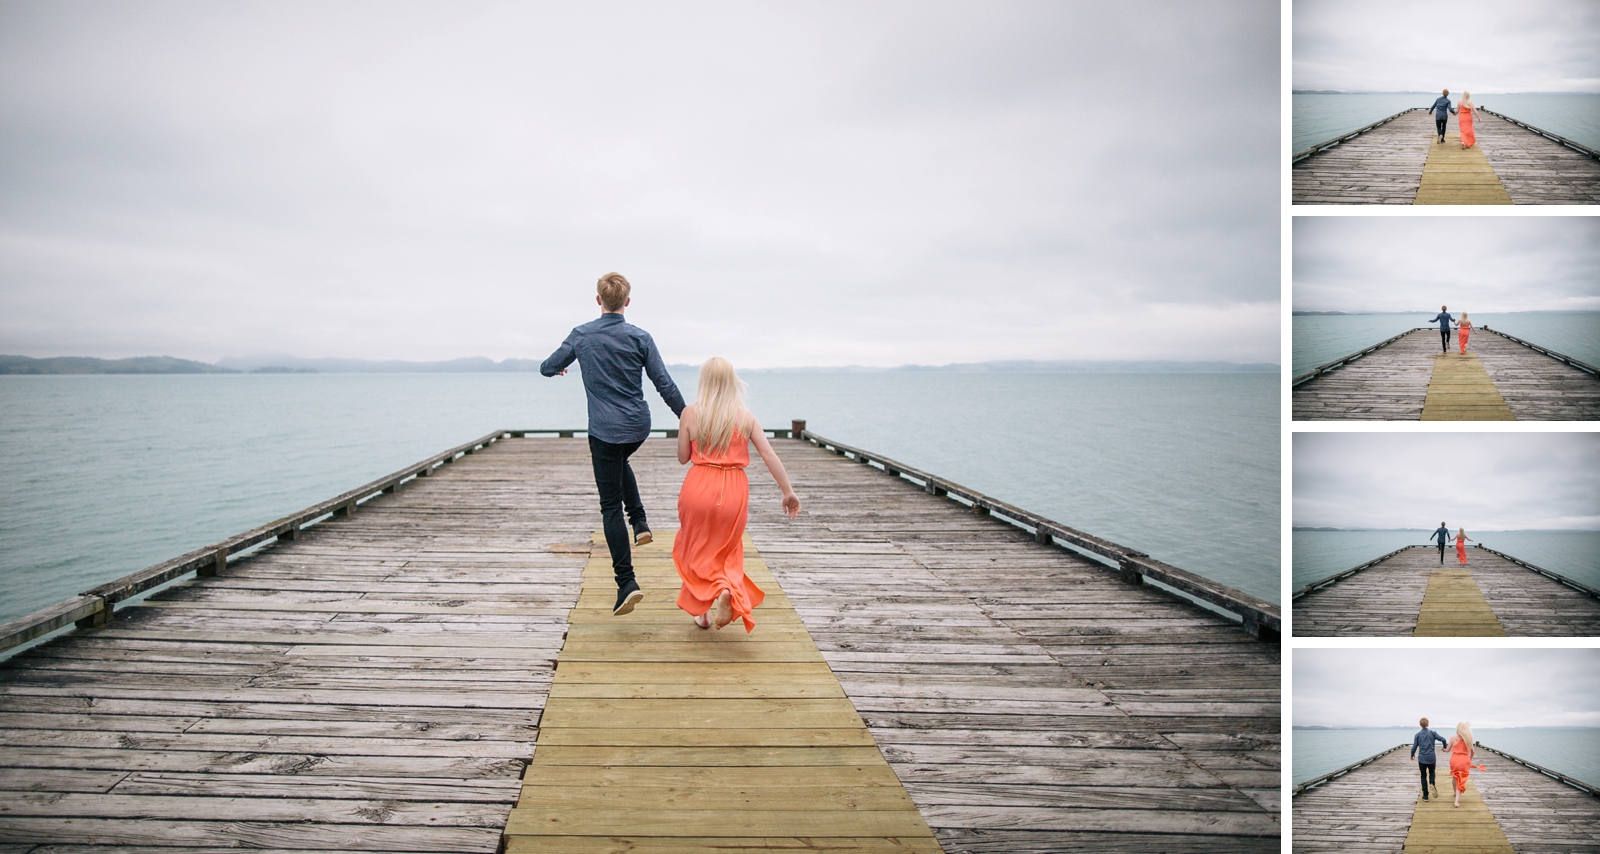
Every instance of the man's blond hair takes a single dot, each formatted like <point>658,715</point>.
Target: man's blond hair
<point>613,290</point>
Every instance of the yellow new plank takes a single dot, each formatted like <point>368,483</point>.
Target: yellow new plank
<point>1452,176</point>
<point>1460,390</point>
<point>624,844</point>
<point>1453,606</point>
<point>715,823</point>
<point>659,735</point>
<point>1440,827</point>
<point>704,737</point>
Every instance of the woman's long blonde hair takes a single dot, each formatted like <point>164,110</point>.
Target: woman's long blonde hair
<point>718,404</point>
<point>1461,532</point>
<point>1464,730</point>
<point>1466,99</point>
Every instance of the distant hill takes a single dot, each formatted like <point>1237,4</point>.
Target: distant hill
<point>277,363</point>
<point>84,365</point>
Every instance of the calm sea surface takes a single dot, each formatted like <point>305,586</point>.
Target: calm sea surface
<point>1319,554</point>
<point>1320,338</point>
<point>106,475</point>
<point>1318,118</point>
<point>1574,752</point>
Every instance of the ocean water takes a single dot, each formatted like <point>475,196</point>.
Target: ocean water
<point>1318,118</point>
<point>106,475</point>
<point>1574,752</point>
<point>1319,554</point>
<point>1320,338</point>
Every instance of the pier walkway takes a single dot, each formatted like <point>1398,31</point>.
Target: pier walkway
<point>375,682</point>
<point>1410,593</point>
<point>1397,162</point>
<point>1511,807</point>
<point>1408,378</point>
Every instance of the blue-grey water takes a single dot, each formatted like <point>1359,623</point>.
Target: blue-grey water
<point>1320,338</point>
<point>1318,118</point>
<point>1574,752</point>
<point>106,475</point>
<point>1319,554</point>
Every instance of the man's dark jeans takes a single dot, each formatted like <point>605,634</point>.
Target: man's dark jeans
<point>1441,552</point>
<point>1444,340</point>
<point>618,490</point>
<point>1440,123</point>
<point>1427,776</point>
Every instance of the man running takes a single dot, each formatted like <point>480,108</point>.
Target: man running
<point>1441,110</point>
<point>1443,318</point>
<point>611,353</point>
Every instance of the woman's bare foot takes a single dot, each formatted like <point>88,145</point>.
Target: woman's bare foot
<point>723,609</point>
<point>703,621</point>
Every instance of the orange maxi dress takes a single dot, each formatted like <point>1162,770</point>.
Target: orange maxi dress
<point>1463,332</point>
<point>713,506</point>
<point>1464,120</point>
<point>1461,551</point>
<point>1461,762</point>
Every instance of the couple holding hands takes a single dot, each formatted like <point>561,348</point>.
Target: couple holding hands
<point>714,434</point>
<point>1462,752</point>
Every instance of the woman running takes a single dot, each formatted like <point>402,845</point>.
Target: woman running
<point>715,433</point>
<point>1462,752</point>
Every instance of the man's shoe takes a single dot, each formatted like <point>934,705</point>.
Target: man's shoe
<point>627,597</point>
<point>642,537</point>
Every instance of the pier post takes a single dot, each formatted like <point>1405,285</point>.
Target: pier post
<point>217,566</point>
<point>797,428</point>
<point>1129,571</point>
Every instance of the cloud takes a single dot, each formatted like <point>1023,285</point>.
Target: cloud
<point>1485,46</point>
<point>1480,481</point>
<point>1506,688</point>
<point>1487,264</point>
<point>818,184</point>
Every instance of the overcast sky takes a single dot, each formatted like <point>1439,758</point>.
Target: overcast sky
<point>1480,481</point>
<point>1485,687</point>
<point>1481,46</point>
<point>784,184</point>
<point>1488,264</point>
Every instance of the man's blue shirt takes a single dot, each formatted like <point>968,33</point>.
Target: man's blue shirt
<point>1442,535</point>
<point>1443,318</point>
<point>1441,108</point>
<point>1422,746</point>
<point>611,352</point>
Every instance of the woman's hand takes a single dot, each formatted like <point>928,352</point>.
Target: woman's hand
<point>791,504</point>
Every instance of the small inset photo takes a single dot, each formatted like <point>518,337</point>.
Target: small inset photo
<point>1446,319</point>
<point>1429,102</point>
<point>1445,750</point>
<point>1446,534</point>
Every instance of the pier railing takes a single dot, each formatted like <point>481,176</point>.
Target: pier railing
<point>1582,149</point>
<point>1341,362</point>
<point>1582,366</point>
<point>1343,138</point>
<point>1554,775</point>
<point>1340,576</point>
<point>1553,576</point>
<point>1334,775</point>
<point>1259,617</point>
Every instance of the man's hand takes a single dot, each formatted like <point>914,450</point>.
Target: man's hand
<point>562,372</point>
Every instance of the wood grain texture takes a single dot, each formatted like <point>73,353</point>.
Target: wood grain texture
<point>1386,600</point>
<point>1460,390</point>
<point>1456,176</point>
<point>1024,697</point>
<point>1537,814</point>
<point>1438,826</point>
<point>1392,384</point>
<point>1385,166</point>
<point>1452,606</point>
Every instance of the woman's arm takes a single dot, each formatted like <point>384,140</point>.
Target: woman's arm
<point>791,502</point>
<point>686,424</point>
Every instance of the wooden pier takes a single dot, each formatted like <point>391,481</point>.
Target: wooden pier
<point>1398,162</point>
<point>1410,593</point>
<point>372,678</point>
<point>1513,806</point>
<point>1409,378</point>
